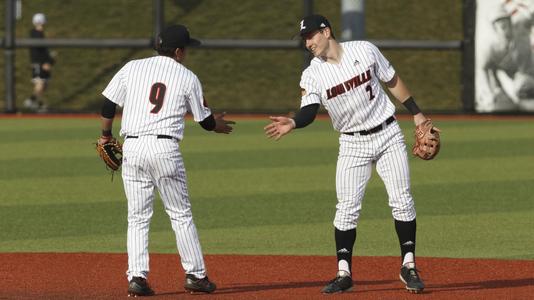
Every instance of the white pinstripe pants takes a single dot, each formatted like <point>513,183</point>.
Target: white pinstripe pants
<point>150,163</point>
<point>357,154</point>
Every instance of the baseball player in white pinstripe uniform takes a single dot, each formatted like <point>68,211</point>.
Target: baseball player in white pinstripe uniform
<point>345,78</point>
<point>155,94</point>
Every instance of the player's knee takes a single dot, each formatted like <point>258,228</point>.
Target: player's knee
<point>181,219</point>
<point>344,226</point>
<point>404,214</point>
<point>138,219</point>
<point>344,221</point>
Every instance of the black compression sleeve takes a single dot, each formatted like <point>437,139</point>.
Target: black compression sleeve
<point>306,115</point>
<point>208,123</point>
<point>108,109</point>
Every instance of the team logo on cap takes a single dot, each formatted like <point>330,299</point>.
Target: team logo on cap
<point>323,25</point>
<point>302,27</point>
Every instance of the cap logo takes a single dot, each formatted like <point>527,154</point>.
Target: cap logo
<point>302,27</point>
<point>323,25</point>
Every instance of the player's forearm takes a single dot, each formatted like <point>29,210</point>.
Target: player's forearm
<point>107,113</point>
<point>106,126</point>
<point>306,115</point>
<point>398,89</point>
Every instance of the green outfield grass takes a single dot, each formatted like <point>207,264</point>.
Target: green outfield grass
<point>251,195</point>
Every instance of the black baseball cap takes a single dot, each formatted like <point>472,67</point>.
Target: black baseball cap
<point>313,23</point>
<point>176,36</point>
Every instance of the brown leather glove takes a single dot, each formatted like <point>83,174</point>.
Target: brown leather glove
<point>427,140</point>
<point>110,151</point>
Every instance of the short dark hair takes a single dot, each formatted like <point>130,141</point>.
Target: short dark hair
<point>165,51</point>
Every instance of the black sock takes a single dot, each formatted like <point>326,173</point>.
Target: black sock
<point>344,244</point>
<point>406,233</point>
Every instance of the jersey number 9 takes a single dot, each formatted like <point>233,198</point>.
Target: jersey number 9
<point>157,94</point>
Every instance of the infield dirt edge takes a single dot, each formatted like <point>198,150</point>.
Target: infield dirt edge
<point>102,276</point>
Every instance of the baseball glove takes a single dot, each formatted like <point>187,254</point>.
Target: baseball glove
<point>427,140</point>
<point>110,151</point>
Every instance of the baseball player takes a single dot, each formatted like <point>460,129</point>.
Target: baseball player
<point>505,72</point>
<point>345,78</point>
<point>41,63</point>
<point>155,94</point>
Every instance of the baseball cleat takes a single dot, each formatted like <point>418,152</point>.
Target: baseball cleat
<point>342,283</point>
<point>198,285</point>
<point>138,287</point>
<point>410,277</point>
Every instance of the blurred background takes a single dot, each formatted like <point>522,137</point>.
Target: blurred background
<point>238,80</point>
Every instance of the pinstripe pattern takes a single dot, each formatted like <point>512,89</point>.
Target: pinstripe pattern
<point>150,162</point>
<point>155,94</point>
<point>353,110</point>
<point>357,154</point>
<point>131,86</point>
<point>353,96</point>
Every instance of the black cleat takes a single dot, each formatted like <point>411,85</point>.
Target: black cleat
<point>338,285</point>
<point>138,287</point>
<point>411,279</point>
<point>198,285</point>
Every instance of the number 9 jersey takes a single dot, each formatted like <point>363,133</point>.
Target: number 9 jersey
<point>155,94</point>
<point>350,90</point>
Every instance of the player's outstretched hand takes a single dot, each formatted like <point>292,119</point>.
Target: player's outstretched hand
<point>279,127</point>
<point>222,125</point>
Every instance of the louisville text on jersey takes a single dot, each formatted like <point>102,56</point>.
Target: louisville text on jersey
<point>349,84</point>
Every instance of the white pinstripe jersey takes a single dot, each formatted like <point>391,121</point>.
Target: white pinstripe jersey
<point>155,94</point>
<point>351,91</point>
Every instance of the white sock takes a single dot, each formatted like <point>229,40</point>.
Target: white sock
<point>343,267</point>
<point>409,260</point>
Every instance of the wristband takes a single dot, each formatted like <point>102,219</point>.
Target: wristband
<point>411,106</point>
<point>106,133</point>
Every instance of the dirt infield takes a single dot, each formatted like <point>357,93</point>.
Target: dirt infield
<point>101,276</point>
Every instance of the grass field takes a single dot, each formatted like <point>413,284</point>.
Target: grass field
<point>251,195</point>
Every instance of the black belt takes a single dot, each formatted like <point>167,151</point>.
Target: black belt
<point>373,130</point>
<point>159,136</point>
